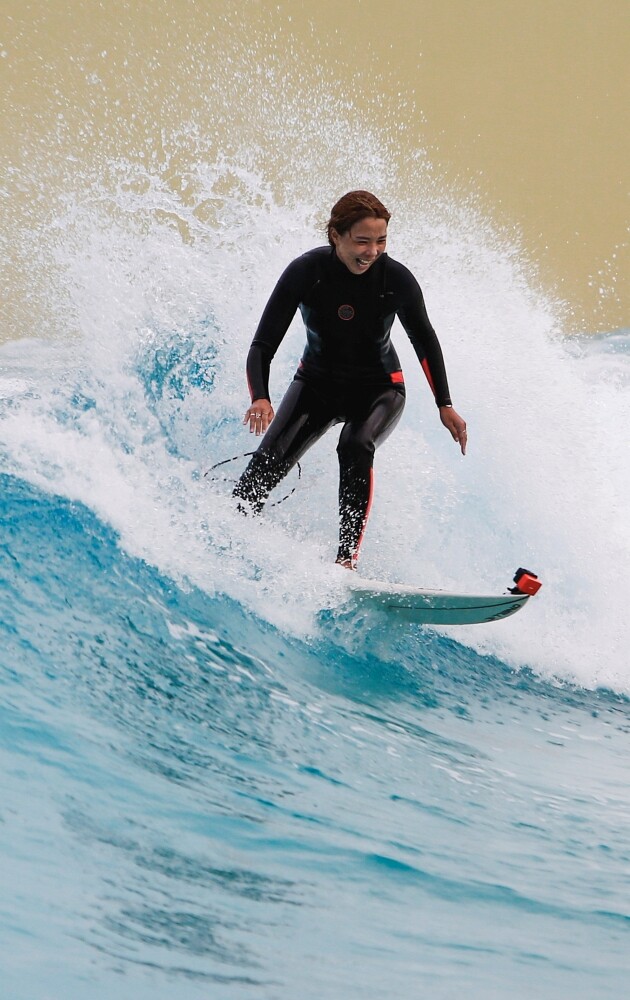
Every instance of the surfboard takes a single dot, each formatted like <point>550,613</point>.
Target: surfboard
<point>439,607</point>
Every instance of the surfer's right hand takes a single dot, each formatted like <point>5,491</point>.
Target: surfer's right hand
<point>259,415</point>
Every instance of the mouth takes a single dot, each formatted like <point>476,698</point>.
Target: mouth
<point>362,262</point>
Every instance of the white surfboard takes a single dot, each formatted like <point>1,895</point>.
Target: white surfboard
<point>438,607</point>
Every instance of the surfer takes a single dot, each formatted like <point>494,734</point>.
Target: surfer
<point>349,294</point>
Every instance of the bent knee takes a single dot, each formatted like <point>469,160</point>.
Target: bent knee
<point>356,448</point>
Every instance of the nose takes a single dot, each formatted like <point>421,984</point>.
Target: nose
<point>373,249</point>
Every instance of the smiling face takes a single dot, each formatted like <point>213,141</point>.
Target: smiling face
<point>361,245</point>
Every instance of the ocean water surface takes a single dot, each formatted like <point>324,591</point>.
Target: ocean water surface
<point>219,778</point>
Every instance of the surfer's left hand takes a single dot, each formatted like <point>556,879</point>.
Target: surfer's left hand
<point>456,425</point>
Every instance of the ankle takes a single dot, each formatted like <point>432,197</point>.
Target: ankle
<point>346,563</point>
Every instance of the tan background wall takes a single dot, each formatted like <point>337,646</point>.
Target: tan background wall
<point>524,105</point>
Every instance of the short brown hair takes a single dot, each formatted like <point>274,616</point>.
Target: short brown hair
<point>354,206</point>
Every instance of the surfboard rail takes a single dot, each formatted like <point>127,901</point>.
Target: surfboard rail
<point>440,607</point>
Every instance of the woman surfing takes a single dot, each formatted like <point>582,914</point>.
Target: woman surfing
<point>349,294</point>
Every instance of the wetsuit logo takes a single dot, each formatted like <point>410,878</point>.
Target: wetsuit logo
<point>345,312</point>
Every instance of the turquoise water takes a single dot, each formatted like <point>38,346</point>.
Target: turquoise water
<point>218,780</point>
<point>196,804</point>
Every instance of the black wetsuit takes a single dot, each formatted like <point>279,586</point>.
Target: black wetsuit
<point>349,373</point>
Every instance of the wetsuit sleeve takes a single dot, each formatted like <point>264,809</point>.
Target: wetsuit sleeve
<point>412,314</point>
<point>274,323</point>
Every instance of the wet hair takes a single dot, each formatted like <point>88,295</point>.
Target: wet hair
<point>354,206</point>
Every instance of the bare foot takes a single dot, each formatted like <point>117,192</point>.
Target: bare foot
<point>346,563</point>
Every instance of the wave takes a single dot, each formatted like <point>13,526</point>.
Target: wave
<point>142,391</point>
<point>187,776</point>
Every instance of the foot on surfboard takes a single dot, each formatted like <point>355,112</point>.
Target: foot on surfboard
<point>346,563</point>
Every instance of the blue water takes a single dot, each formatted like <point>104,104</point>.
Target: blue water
<point>220,780</point>
<point>196,805</point>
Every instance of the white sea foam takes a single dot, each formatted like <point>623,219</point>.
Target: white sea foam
<point>156,297</point>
